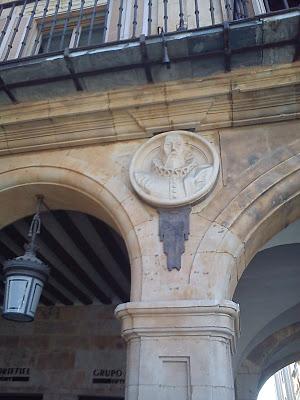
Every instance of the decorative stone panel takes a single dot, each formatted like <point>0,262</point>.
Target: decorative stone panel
<point>174,169</point>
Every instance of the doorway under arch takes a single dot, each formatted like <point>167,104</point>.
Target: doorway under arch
<point>268,294</point>
<point>284,384</point>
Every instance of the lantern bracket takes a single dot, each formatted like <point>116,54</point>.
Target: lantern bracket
<point>35,226</point>
<point>25,277</point>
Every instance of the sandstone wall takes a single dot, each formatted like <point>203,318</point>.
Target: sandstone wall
<point>65,352</point>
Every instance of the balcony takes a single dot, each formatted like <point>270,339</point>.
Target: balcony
<point>55,41</point>
<point>32,27</point>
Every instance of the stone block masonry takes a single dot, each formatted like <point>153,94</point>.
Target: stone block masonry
<point>67,351</point>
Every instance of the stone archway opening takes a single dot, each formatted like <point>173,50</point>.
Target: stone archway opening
<point>268,294</point>
<point>283,384</point>
<point>73,349</point>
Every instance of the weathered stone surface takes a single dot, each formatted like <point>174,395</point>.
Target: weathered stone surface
<point>88,141</point>
<point>174,230</point>
<point>62,351</point>
<point>169,335</point>
<point>272,94</point>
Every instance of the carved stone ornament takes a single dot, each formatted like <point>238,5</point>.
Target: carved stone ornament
<point>174,168</point>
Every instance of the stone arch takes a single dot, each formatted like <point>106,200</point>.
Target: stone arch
<point>268,296</point>
<point>67,188</point>
<point>259,366</point>
<point>244,216</point>
<point>274,343</point>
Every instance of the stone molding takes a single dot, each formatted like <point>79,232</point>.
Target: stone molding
<point>270,190</point>
<point>180,318</point>
<point>245,97</point>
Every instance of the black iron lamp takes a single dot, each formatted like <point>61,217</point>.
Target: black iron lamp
<point>25,277</point>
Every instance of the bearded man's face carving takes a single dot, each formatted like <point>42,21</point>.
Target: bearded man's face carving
<point>174,168</point>
<point>174,151</point>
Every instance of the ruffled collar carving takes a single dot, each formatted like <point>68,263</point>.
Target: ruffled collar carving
<point>161,170</point>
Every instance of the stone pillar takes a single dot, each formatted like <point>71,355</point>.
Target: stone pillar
<point>179,350</point>
<point>247,383</point>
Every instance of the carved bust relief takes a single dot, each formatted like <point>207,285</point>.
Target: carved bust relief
<point>174,169</point>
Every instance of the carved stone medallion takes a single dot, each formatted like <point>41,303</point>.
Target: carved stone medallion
<point>174,169</point>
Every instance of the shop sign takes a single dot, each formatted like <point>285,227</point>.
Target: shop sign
<point>108,376</point>
<point>14,374</point>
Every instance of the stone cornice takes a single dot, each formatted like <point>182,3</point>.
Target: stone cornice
<point>244,97</point>
<point>183,318</point>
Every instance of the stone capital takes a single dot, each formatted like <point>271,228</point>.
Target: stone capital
<point>219,320</point>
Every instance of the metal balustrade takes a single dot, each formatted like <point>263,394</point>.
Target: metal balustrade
<point>32,27</point>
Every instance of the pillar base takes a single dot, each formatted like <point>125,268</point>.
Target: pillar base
<point>179,350</point>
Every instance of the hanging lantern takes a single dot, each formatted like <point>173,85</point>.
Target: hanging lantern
<point>25,277</point>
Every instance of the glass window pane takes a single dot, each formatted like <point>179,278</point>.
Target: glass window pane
<point>55,41</point>
<point>96,38</point>
<point>17,293</point>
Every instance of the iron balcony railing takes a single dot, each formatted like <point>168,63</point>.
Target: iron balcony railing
<point>31,27</point>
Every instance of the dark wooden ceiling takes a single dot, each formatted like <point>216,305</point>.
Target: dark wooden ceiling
<point>88,260</point>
